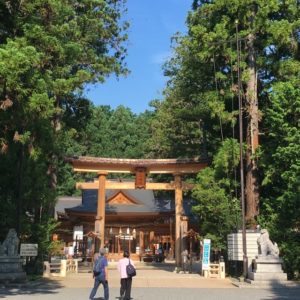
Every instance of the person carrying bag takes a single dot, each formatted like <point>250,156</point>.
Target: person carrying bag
<point>127,270</point>
<point>100,275</point>
<point>130,270</point>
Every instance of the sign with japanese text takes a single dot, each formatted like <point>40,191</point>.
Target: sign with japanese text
<point>206,254</point>
<point>29,249</point>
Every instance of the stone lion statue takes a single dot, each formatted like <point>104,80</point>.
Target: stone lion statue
<point>265,246</point>
<point>10,246</point>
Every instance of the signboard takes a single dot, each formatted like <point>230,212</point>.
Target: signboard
<point>140,178</point>
<point>69,251</point>
<point>78,232</point>
<point>29,250</point>
<point>77,235</point>
<point>125,237</point>
<point>206,254</point>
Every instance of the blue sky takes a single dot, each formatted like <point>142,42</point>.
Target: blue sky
<point>152,24</point>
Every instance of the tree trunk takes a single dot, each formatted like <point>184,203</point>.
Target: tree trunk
<point>56,122</point>
<point>19,189</point>
<point>251,190</point>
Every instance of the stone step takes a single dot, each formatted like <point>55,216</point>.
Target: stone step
<point>112,257</point>
<point>139,266</point>
<point>270,284</point>
<point>266,276</point>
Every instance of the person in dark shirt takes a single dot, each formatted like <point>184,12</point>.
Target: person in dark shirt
<point>101,277</point>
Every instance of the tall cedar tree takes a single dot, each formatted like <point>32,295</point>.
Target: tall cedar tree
<point>201,97</point>
<point>49,50</point>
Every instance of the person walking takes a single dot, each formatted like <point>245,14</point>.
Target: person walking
<point>126,281</point>
<point>100,274</point>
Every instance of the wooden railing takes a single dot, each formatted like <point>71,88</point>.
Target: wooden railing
<point>215,271</point>
<point>60,268</point>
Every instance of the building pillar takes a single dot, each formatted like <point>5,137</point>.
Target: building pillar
<point>178,214</point>
<point>112,246</point>
<point>151,237</point>
<point>142,245</point>
<point>100,217</point>
<point>119,246</point>
<point>151,241</point>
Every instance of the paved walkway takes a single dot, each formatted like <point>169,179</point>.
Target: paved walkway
<point>148,285</point>
<point>150,279</point>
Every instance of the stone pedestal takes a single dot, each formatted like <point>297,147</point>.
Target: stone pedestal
<point>268,270</point>
<point>11,269</point>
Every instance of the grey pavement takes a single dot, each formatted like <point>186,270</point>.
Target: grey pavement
<point>149,284</point>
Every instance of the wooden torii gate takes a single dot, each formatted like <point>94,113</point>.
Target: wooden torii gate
<point>140,168</point>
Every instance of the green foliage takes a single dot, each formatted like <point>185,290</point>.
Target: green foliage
<point>200,106</point>
<point>280,165</point>
<point>217,207</point>
<point>116,133</point>
<point>40,232</point>
<point>55,248</point>
<point>290,251</point>
<point>227,159</point>
<point>49,51</point>
<point>105,133</point>
<point>200,102</point>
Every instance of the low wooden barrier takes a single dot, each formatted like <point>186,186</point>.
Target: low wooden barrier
<point>215,271</point>
<point>60,268</point>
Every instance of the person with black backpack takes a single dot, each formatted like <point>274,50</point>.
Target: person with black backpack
<point>100,274</point>
<point>127,270</point>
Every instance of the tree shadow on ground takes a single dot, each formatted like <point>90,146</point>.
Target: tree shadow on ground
<point>42,286</point>
<point>284,291</point>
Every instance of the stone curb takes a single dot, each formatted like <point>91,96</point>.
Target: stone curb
<point>265,284</point>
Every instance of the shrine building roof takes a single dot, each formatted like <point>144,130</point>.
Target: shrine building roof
<point>123,201</point>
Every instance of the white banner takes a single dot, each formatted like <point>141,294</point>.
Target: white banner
<point>78,232</point>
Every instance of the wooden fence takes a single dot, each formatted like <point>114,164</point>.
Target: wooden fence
<point>60,268</point>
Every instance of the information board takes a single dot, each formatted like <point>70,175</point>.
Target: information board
<point>29,249</point>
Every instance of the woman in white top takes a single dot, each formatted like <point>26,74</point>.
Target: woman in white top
<point>126,281</point>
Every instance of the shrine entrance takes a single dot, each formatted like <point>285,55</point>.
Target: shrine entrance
<point>143,228</point>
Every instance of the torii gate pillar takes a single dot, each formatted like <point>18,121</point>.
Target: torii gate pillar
<point>178,214</point>
<point>100,217</point>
